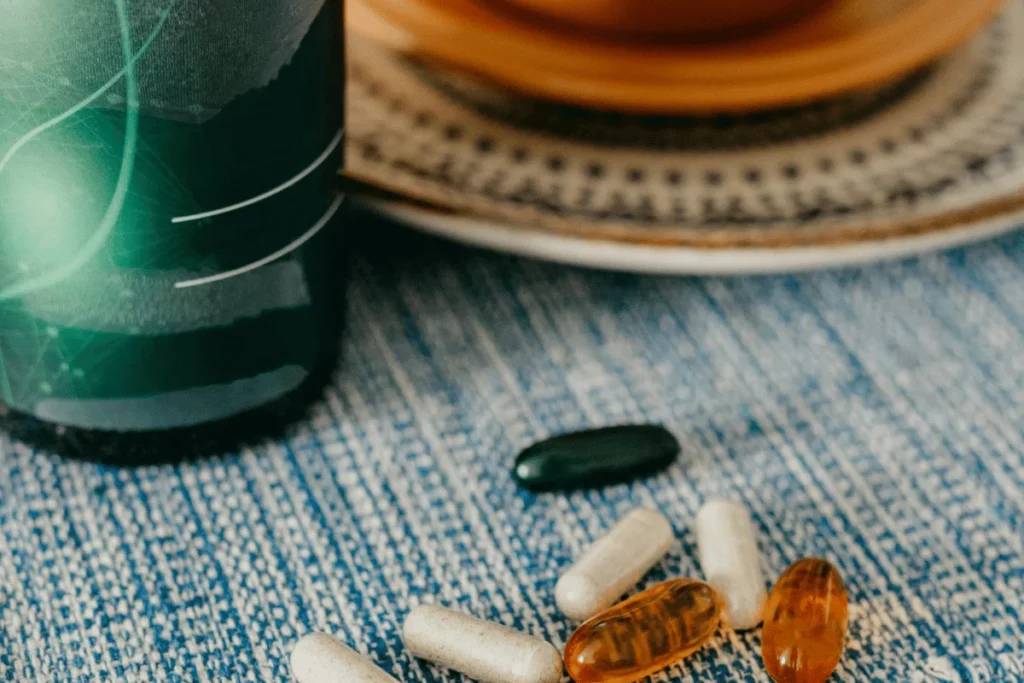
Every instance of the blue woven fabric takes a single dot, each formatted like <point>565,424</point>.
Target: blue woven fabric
<point>872,416</point>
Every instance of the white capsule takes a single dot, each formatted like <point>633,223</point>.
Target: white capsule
<point>320,658</point>
<point>614,564</point>
<point>482,650</point>
<point>731,562</point>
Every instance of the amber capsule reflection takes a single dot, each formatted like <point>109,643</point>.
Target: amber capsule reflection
<point>644,634</point>
<point>805,623</point>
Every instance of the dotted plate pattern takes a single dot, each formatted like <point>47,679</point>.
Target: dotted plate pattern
<point>933,152</point>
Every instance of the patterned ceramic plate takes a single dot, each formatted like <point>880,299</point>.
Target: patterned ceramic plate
<point>934,160</point>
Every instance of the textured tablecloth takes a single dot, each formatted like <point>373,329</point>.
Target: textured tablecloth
<point>872,416</point>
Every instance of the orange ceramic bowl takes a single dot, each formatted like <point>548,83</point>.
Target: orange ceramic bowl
<point>844,46</point>
<point>692,18</point>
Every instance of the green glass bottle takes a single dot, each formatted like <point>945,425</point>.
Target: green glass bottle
<point>169,219</point>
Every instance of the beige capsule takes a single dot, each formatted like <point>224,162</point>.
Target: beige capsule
<point>614,564</point>
<point>727,546</point>
<point>482,650</point>
<point>320,658</point>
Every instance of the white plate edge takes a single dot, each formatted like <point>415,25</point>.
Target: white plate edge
<point>678,260</point>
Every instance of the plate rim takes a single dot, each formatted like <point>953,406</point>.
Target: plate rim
<point>592,252</point>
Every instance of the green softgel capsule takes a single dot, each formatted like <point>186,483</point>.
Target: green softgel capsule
<point>597,457</point>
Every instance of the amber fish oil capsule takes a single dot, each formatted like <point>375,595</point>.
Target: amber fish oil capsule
<point>805,623</point>
<point>613,564</point>
<point>320,658</point>
<point>731,561</point>
<point>644,634</point>
<point>484,651</point>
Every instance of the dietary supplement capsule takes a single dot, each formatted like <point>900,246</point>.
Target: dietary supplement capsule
<point>805,623</point>
<point>597,457</point>
<point>320,658</point>
<point>644,634</point>
<point>613,564</point>
<point>482,650</point>
<point>731,562</point>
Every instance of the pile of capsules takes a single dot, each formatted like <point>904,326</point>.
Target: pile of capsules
<point>801,642</point>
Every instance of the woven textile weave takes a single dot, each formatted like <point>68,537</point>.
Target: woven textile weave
<point>871,416</point>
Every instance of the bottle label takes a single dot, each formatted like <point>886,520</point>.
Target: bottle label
<point>167,205</point>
